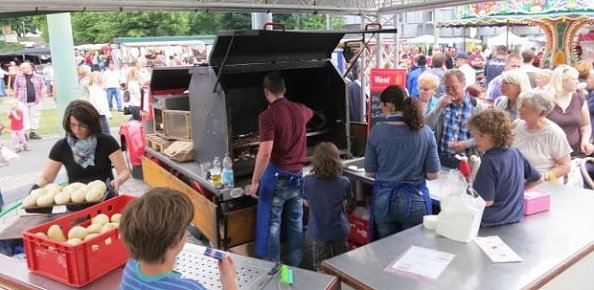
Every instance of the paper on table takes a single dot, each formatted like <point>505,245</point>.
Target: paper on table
<point>421,262</point>
<point>497,250</point>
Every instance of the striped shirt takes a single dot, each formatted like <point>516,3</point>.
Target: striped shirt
<point>134,279</point>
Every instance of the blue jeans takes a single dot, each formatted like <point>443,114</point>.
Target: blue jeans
<point>104,125</point>
<point>287,208</point>
<point>114,93</point>
<point>405,211</point>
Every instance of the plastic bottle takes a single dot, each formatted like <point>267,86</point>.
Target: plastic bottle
<point>227,171</point>
<point>215,172</point>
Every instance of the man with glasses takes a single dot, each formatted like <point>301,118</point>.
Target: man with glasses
<point>512,61</point>
<point>449,118</point>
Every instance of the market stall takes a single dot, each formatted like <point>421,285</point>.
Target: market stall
<point>217,111</point>
<point>549,244</point>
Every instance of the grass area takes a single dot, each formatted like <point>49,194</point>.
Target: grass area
<point>50,125</point>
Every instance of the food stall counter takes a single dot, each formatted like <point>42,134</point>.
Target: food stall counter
<point>548,243</point>
<point>15,275</point>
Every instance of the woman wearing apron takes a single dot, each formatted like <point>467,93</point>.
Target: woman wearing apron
<point>401,153</point>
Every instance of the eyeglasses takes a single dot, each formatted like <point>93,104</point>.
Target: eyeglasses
<point>82,126</point>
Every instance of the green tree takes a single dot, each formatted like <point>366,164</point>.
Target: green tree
<point>236,21</point>
<point>204,23</point>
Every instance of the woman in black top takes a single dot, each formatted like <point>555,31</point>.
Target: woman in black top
<point>86,153</point>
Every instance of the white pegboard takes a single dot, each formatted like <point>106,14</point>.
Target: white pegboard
<point>192,264</point>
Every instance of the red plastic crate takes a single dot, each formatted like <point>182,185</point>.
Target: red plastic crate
<point>81,264</point>
<point>359,233</point>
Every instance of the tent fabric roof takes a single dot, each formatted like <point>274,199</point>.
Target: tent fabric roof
<point>10,8</point>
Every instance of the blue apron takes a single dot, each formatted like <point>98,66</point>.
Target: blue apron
<point>265,197</point>
<point>394,189</point>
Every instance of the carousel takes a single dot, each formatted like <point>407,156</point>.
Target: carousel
<point>568,25</point>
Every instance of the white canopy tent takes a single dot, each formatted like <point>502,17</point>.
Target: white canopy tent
<point>507,39</point>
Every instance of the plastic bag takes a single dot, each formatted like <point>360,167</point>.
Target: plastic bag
<point>6,155</point>
<point>575,178</point>
<point>460,216</point>
<point>453,183</point>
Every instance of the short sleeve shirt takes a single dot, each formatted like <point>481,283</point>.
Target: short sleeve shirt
<point>134,279</point>
<point>397,154</point>
<point>542,147</point>
<point>570,121</point>
<point>284,123</point>
<point>501,178</point>
<point>327,218</point>
<point>106,145</point>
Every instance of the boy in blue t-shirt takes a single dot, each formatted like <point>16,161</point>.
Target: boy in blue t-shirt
<point>324,191</point>
<point>154,230</point>
<point>504,173</point>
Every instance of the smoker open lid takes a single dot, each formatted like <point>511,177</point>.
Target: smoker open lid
<point>265,46</point>
<point>170,79</point>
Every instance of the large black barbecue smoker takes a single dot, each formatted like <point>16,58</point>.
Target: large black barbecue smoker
<point>227,96</point>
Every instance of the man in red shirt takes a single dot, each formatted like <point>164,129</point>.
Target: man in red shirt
<point>278,171</point>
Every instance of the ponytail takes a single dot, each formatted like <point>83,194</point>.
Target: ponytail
<point>413,114</point>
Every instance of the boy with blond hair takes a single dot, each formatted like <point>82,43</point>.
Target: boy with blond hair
<point>154,230</point>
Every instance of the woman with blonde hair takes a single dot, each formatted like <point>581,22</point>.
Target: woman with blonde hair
<point>571,111</point>
<point>133,89</point>
<point>513,83</point>
<point>84,77</point>
<point>542,78</point>
<point>428,84</point>
<point>98,98</point>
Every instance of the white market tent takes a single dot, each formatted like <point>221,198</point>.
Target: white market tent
<point>507,39</point>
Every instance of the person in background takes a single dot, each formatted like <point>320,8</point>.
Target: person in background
<point>29,88</point>
<point>438,69</point>
<point>590,97</point>
<point>153,228</point>
<point>428,84</point>
<point>400,154</point>
<point>450,58</point>
<point>504,173</point>
<point>512,61</point>
<point>3,74</point>
<point>325,191</point>
<point>84,77</point>
<point>13,72</point>
<point>85,152</point>
<point>571,111</point>
<point>17,127</point>
<point>133,88</point>
<point>449,117</point>
<point>113,80</point>
<point>583,67</point>
<point>528,67</point>
<point>357,104</point>
<point>540,140</point>
<point>542,78</point>
<point>413,76</point>
<point>513,83</point>
<point>496,64</point>
<point>476,59</point>
<point>98,98</point>
<point>463,65</point>
<point>278,172</point>
<point>48,76</point>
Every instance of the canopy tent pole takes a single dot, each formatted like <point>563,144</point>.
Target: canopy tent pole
<point>507,35</point>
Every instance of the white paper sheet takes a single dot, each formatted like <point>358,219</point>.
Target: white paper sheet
<point>421,262</point>
<point>497,250</point>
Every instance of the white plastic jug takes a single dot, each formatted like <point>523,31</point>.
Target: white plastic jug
<point>460,216</point>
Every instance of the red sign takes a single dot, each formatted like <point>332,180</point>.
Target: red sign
<point>383,78</point>
<point>379,80</point>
